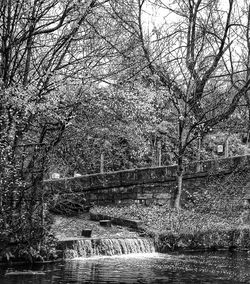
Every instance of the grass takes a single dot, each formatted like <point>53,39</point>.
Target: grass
<point>184,229</point>
<point>161,218</point>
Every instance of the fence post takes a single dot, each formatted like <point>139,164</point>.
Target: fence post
<point>102,163</point>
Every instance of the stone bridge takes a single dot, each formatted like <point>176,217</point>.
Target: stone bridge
<point>149,185</point>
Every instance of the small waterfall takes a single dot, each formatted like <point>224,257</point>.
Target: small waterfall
<point>108,247</point>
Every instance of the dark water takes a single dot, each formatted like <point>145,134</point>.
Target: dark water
<point>216,267</point>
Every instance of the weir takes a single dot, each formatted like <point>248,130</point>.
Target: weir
<point>105,247</point>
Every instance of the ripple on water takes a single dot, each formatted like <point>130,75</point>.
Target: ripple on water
<point>143,268</point>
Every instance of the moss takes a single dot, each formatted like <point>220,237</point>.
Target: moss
<point>184,229</point>
<point>238,238</point>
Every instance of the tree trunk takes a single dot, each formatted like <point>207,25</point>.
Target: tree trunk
<point>177,201</point>
<point>198,167</point>
<point>159,154</point>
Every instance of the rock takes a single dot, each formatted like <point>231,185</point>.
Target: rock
<point>55,175</point>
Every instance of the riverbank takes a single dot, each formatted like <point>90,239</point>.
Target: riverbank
<point>63,229</point>
<point>170,230</point>
<point>183,229</point>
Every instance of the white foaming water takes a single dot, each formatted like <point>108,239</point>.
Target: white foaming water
<point>125,256</point>
<point>109,247</point>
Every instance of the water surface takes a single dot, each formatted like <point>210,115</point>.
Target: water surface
<point>210,267</point>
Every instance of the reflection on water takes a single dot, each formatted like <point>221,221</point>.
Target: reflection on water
<point>219,267</point>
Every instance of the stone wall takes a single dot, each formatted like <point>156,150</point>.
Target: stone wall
<point>144,185</point>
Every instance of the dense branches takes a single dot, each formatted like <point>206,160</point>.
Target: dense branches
<point>52,54</point>
<point>194,55</point>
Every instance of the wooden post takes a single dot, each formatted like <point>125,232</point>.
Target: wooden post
<point>102,163</point>
<point>154,151</point>
<point>226,147</point>
<point>86,233</point>
<point>159,153</point>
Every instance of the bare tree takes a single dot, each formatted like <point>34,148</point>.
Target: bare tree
<point>194,55</point>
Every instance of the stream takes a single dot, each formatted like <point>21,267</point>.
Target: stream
<point>193,267</point>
